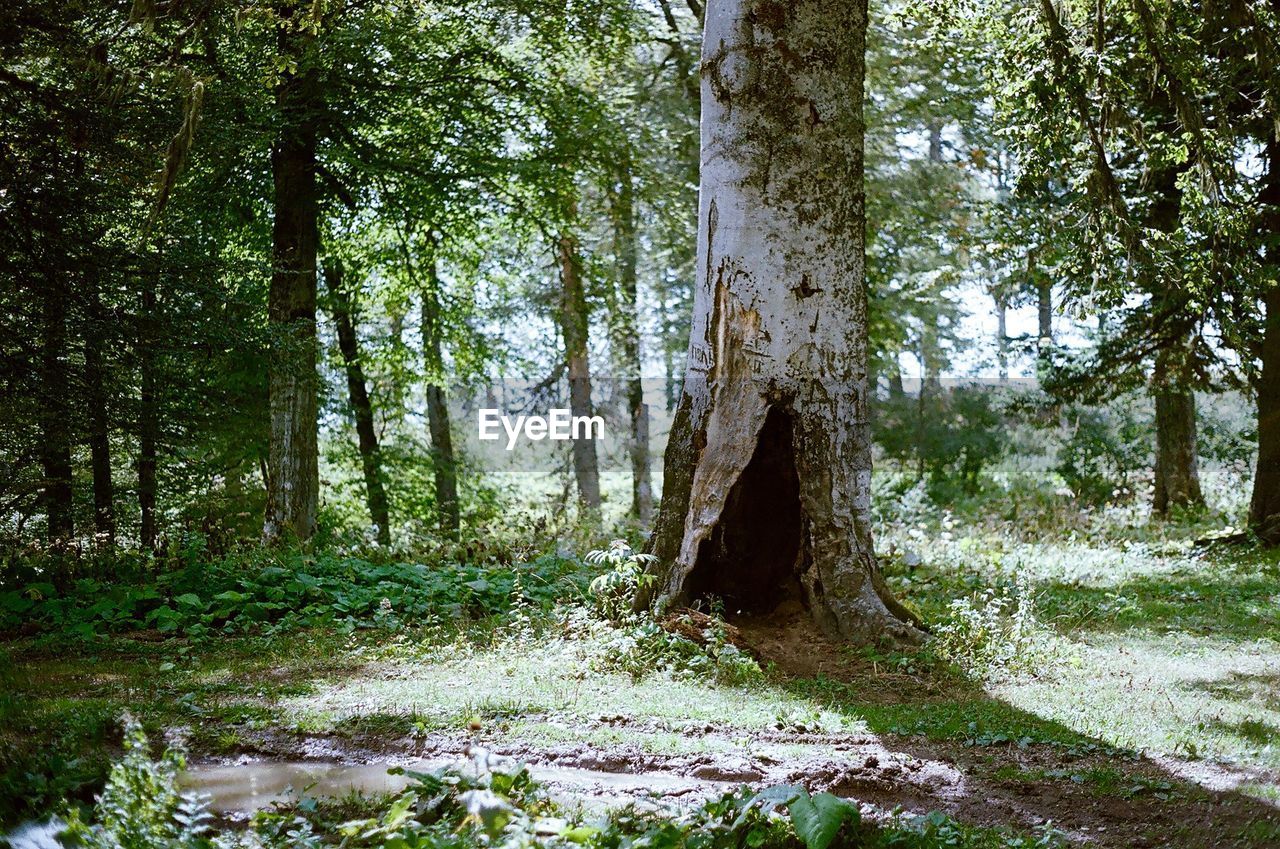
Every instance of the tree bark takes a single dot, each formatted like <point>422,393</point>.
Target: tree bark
<point>768,471</point>
<point>293,487</point>
<point>1177,479</point>
<point>1264,507</point>
<point>1002,339</point>
<point>444,462</point>
<point>148,421</point>
<point>375,493</point>
<point>574,323</point>
<point>1044,304</point>
<point>627,334</point>
<point>55,425</point>
<point>104,518</point>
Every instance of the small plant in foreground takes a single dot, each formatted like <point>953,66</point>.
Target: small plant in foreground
<point>614,591</point>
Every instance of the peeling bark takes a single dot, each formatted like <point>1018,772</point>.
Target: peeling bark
<point>768,470</point>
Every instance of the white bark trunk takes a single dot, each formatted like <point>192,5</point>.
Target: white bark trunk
<point>775,395</point>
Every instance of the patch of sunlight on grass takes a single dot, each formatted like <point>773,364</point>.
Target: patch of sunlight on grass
<point>1192,696</point>
<point>519,680</point>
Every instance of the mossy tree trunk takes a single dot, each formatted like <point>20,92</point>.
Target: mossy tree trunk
<point>768,470</point>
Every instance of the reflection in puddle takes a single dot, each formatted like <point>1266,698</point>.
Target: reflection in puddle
<point>245,788</point>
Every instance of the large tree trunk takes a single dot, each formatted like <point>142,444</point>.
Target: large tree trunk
<point>293,486</point>
<point>574,323</point>
<point>627,334</point>
<point>104,517</point>
<point>375,494</point>
<point>444,462</point>
<point>768,471</point>
<point>55,424</point>
<point>1177,480</point>
<point>148,420</point>
<point>1264,508</point>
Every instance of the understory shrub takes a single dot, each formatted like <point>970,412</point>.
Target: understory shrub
<point>995,630</point>
<point>271,592</point>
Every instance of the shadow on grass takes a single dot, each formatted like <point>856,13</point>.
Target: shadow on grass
<point>1023,768</point>
<point>1229,605</point>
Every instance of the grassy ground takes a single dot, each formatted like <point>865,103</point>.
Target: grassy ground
<point>1137,704</point>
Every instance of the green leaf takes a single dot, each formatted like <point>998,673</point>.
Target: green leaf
<point>818,818</point>
<point>189,600</point>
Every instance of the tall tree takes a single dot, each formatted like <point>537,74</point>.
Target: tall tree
<point>444,460</point>
<point>293,483</point>
<point>344,319</point>
<point>622,204</point>
<point>575,322</point>
<point>768,469</point>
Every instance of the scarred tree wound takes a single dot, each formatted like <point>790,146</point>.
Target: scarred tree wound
<point>768,467</point>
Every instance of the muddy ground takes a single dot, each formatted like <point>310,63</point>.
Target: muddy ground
<point>1143,802</point>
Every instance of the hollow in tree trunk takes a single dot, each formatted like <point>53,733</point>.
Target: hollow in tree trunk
<point>574,323</point>
<point>293,484</point>
<point>768,470</point>
<point>444,462</point>
<point>375,493</point>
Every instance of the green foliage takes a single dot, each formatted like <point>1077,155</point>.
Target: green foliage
<point>996,630</point>
<point>614,591</point>
<point>1106,450</point>
<point>272,592</point>
<point>642,646</point>
<point>141,806</point>
<point>950,435</point>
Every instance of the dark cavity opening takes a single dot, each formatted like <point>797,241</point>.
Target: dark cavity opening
<point>751,558</point>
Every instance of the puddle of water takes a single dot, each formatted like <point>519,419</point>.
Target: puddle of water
<point>244,788</point>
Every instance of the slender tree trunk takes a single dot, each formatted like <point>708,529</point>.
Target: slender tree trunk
<point>444,462</point>
<point>1177,480</point>
<point>1264,508</point>
<point>768,471</point>
<point>574,323</point>
<point>344,319</point>
<point>104,518</point>
<point>895,384</point>
<point>1002,339</point>
<point>148,420</point>
<point>627,334</point>
<point>1044,303</point>
<point>293,487</point>
<point>55,424</point>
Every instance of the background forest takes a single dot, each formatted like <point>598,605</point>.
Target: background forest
<point>262,263</point>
